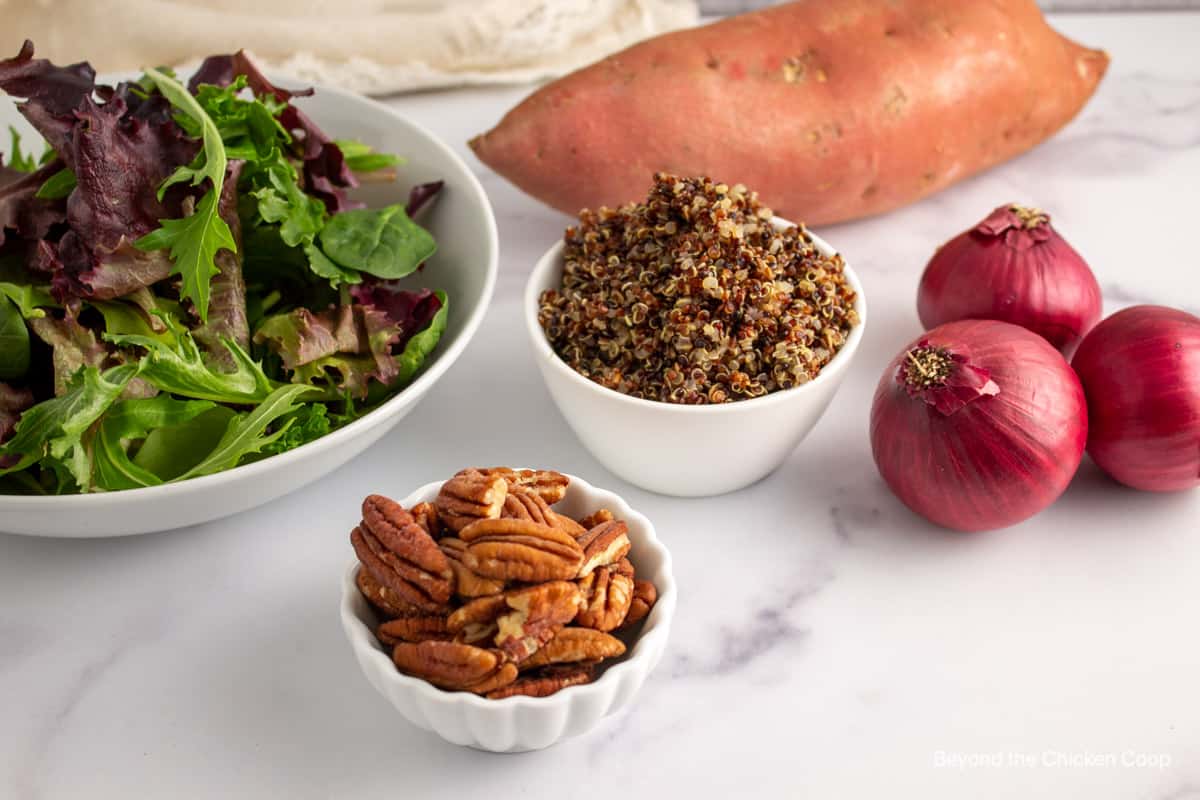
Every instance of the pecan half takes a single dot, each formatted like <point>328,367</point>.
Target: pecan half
<point>402,556</point>
<point>625,567</point>
<point>604,544</point>
<point>455,666</point>
<point>595,518</point>
<point>520,550</point>
<point>573,645</point>
<point>468,496</point>
<point>413,628</point>
<point>521,504</point>
<point>524,504</point>
<point>466,583</point>
<point>607,594</point>
<point>518,621</point>
<point>537,614</point>
<point>569,525</point>
<point>476,621</point>
<point>550,485</point>
<point>426,515</point>
<point>545,682</point>
<point>382,598</point>
<point>644,596</point>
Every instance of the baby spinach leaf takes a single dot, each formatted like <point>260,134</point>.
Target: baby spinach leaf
<point>247,433</point>
<point>383,242</point>
<point>14,341</point>
<point>131,420</point>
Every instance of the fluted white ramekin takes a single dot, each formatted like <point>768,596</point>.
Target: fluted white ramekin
<point>516,724</point>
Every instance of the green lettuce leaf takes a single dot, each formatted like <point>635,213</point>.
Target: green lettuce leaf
<point>172,450</point>
<point>127,422</point>
<point>30,300</point>
<point>124,318</point>
<point>247,433</point>
<point>418,348</point>
<point>72,346</point>
<point>54,429</point>
<point>362,157</point>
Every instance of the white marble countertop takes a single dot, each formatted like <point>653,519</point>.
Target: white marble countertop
<point>828,643</point>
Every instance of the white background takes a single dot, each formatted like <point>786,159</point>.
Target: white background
<point>828,643</point>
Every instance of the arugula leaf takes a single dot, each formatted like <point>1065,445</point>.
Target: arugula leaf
<point>131,420</point>
<point>14,341</point>
<point>57,186</point>
<point>421,345</point>
<point>179,368</point>
<point>29,300</point>
<point>362,157</point>
<point>194,240</point>
<point>53,430</point>
<point>247,434</point>
<point>383,242</point>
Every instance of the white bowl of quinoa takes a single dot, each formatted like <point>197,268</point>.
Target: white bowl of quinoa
<point>692,340</point>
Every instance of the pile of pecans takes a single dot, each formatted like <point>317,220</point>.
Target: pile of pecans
<point>694,297</point>
<point>489,590</point>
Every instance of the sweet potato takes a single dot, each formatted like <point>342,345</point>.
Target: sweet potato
<point>830,109</point>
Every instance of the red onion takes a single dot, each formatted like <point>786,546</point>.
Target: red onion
<point>1140,369</point>
<point>1013,267</point>
<point>978,424</point>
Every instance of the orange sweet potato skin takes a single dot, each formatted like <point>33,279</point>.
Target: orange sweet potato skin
<point>830,109</point>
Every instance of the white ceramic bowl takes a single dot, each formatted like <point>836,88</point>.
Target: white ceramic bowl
<point>465,267</point>
<point>684,450</point>
<point>516,724</point>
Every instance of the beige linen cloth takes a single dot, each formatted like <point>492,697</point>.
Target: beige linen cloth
<point>371,46</point>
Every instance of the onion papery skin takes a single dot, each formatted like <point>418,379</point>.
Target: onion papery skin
<point>990,458</point>
<point>1005,271</point>
<point>1140,369</point>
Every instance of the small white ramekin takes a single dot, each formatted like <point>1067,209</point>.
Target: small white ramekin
<point>517,724</point>
<point>685,450</point>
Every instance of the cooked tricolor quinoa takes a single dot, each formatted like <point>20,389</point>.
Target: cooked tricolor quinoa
<point>694,297</point>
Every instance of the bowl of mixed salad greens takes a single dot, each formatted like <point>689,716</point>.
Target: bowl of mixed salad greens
<point>214,289</point>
